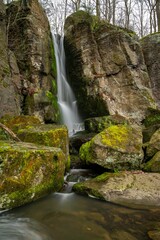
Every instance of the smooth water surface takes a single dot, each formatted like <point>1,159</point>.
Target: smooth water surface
<point>67,216</point>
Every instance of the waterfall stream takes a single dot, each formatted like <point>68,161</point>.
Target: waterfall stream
<point>66,98</point>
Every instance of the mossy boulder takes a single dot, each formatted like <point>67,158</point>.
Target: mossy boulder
<point>154,164</point>
<point>50,135</point>
<point>98,124</point>
<point>154,144</point>
<point>117,147</point>
<point>151,124</point>
<point>28,172</point>
<point>126,188</point>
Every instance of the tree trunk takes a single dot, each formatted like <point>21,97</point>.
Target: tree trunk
<point>158,14</point>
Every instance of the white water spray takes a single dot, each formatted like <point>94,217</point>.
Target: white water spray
<point>66,99</point>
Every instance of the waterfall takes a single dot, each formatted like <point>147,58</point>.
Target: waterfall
<point>66,98</point>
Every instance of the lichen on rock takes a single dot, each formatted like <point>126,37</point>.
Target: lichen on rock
<point>28,172</point>
<point>118,147</point>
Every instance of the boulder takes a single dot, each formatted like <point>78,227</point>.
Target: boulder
<point>30,40</point>
<point>30,129</point>
<point>98,124</point>
<point>154,164</point>
<point>131,189</point>
<point>28,172</point>
<point>117,147</point>
<point>151,50</point>
<point>154,144</point>
<point>9,73</point>
<point>106,68</point>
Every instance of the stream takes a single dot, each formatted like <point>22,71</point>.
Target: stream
<point>67,216</point>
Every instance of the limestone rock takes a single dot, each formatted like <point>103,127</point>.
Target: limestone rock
<point>126,188</point>
<point>28,172</point>
<point>151,50</point>
<point>117,147</point>
<point>30,40</point>
<point>106,68</point>
<point>9,73</point>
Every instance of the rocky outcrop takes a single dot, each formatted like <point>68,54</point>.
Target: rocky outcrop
<point>106,68</point>
<point>154,144</point>
<point>154,164</point>
<point>30,39</point>
<point>9,73</point>
<point>118,147</point>
<point>125,188</point>
<point>151,50</point>
<point>28,172</point>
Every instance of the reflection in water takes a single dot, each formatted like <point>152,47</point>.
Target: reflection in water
<point>71,217</point>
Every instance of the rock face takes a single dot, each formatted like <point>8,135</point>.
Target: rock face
<point>30,39</point>
<point>28,172</point>
<point>154,164</point>
<point>151,50</point>
<point>154,144</point>
<point>106,68</point>
<point>9,73</point>
<point>125,188</point>
<point>119,147</point>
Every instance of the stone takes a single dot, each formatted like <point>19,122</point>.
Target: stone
<point>30,40</point>
<point>132,189</point>
<point>50,135</point>
<point>9,73</point>
<point>154,234</point>
<point>98,124</point>
<point>154,144</point>
<point>106,68</point>
<point>117,147</point>
<point>28,172</point>
<point>153,165</point>
<point>151,50</point>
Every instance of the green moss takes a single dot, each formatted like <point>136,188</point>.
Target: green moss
<point>116,136</point>
<point>152,119</point>
<point>154,164</point>
<point>85,152</point>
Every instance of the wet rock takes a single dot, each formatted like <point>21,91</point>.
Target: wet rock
<point>117,147</point>
<point>111,76</point>
<point>132,189</point>
<point>28,172</point>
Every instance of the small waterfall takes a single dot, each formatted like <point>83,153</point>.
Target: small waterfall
<point>66,98</point>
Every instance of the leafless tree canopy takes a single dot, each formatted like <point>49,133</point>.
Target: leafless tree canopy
<point>142,16</point>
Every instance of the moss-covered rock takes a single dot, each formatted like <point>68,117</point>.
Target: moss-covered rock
<point>117,147</point>
<point>125,188</point>
<point>98,124</point>
<point>48,135</point>
<point>28,172</point>
<point>154,164</point>
<point>154,144</point>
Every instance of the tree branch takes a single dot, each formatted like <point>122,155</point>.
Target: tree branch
<point>12,134</point>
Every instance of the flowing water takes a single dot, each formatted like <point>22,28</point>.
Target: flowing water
<point>66,98</point>
<point>67,216</point>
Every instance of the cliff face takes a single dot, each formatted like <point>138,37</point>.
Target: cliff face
<point>9,73</point>
<point>28,36</point>
<point>151,50</point>
<point>106,68</point>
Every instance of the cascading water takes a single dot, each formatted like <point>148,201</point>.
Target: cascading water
<point>66,99</point>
